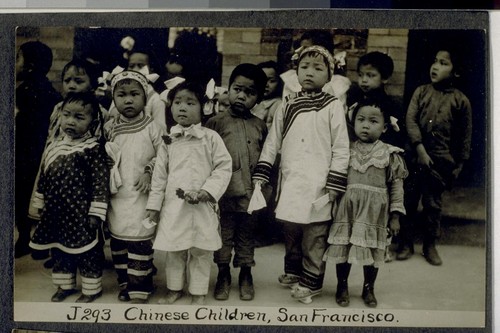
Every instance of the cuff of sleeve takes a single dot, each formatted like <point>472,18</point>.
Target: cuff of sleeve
<point>213,191</point>
<point>38,200</point>
<point>262,171</point>
<point>336,181</point>
<point>98,209</point>
<point>398,207</point>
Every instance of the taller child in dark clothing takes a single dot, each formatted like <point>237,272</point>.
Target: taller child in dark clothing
<point>35,99</point>
<point>374,71</point>
<point>243,135</point>
<point>439,125</point>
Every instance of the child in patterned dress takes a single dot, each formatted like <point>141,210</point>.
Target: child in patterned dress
<point>73,195</point>
<point>193,160</point>
<point>371,204</point>
<point>134,138</point>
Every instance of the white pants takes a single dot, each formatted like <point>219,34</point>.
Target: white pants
<point>195,263</point>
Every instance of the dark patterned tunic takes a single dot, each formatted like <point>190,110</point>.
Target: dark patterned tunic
<point>73,185</point>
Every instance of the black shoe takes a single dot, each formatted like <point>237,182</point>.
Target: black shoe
<point>62,294</point>
<point>123,295</point>
<point>223,285</point>
<point>245,280</point>
<point>404,253</point>
<point>88,298</point>
<point>369,296</point>
<point>431,255</point>
<point>342,295</point>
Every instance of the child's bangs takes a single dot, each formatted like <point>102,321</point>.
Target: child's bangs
<point>126,82</point>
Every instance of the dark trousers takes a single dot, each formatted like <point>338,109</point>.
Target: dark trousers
<point>90,264</point>
<point>238,233</point>
<point>133,261</point>
<point>305,245</point>
<point>427,187</point>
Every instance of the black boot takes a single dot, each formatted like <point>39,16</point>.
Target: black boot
<point>430,253</point>
<point>223,284</point>
<point>342,294</point>
<point>370,273</point>
<point>245,280</point>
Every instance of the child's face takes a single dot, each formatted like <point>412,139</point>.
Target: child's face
<point>272,81</point>
<point>242,94</point>
<point>312,72</point>
<point>129,99</point>
<point>173,69</point>
<point>369,124</point>
<point>76,119</point>
<point>76,80</point>
<point>137,61</point>
<point>369,78</point>
<point>224,104</point>
<point>186,109</point>
<point>442,68</point>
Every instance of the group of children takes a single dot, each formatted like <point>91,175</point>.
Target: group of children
<point>186,190</point>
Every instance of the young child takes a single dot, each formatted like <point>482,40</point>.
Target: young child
<point>136,139</point>
<point>73,195</point>
<point>35,99</point>
<point>338,84</point>
<point>244,136</point>
<point>372,202</point>
<point>439,127</point>
<point>374,71</point>
<point>272,96</point>
<point>77,76</point>
<point>193,160</point>
<point>311,132</point>
<point>139,61</point>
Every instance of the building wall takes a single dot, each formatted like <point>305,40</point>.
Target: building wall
<point>254,45</point>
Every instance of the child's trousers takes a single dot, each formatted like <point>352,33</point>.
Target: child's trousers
<point>197,262</point>
<point>89,263</point>
<point>238,232</point>
<point>305,245</point>
<point>133,261</point>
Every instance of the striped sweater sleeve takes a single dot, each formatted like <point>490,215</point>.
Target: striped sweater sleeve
<point>337,177</point>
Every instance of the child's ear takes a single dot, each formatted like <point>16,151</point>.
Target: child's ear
<point>385,128</point>
<point>384,81</point>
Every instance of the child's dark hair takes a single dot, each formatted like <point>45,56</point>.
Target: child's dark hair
<point>378,103</point>
<point>252,72</point>
<point>455,56</point>
<point>37,57</point>
<point>88,98</point>
<point>319,37</point>
<point>193,87</point>
<point>381,61</point>
<point>83,67</point>
<point>274,65</point>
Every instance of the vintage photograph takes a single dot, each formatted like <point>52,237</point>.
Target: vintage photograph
<point>251,176</point>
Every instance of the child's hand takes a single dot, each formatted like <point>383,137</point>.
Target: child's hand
<point>394,224</point>
<point>94,221</point>
<point>456,172</point>
<point>153,215</point>
<point>333,194</point>
<point>423,158</point>
<point>144,183</point>
<point>204,196</point>
<point>110,162</point>
<point>191,197</point>
<point>258,181</point>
